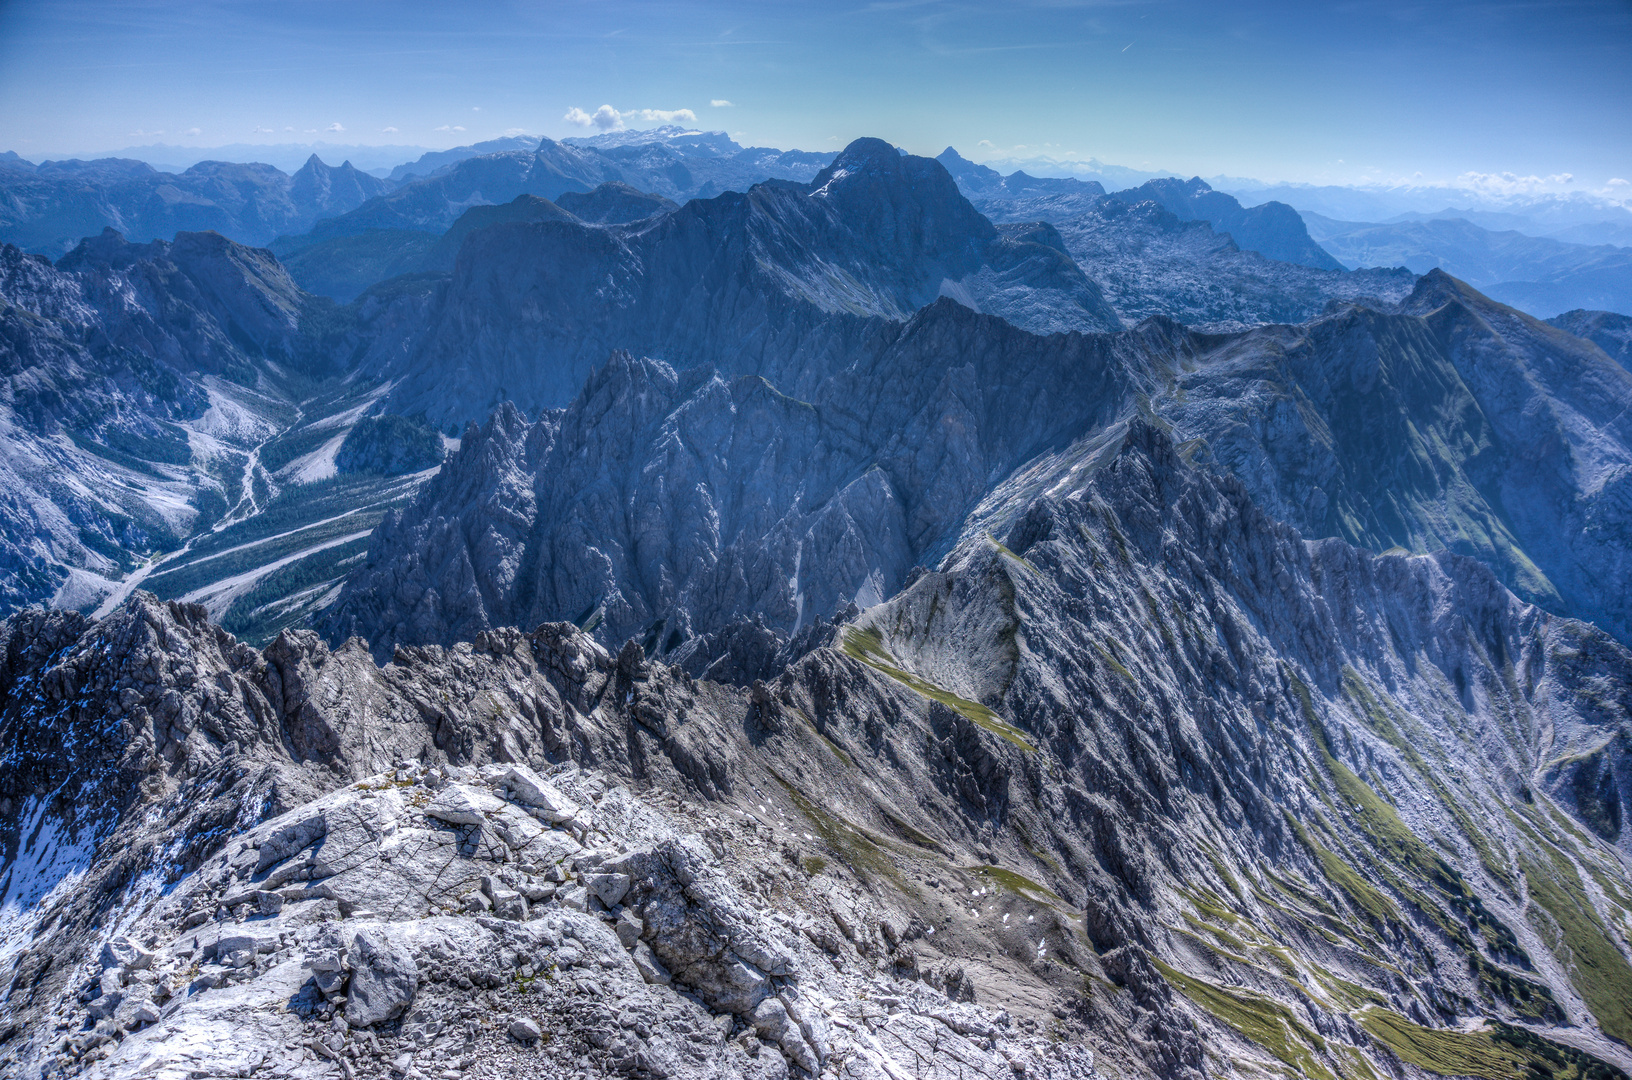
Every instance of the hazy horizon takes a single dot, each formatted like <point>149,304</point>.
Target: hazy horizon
<point>1504,94</point>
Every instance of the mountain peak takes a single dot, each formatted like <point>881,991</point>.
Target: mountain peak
<point>865,153</point>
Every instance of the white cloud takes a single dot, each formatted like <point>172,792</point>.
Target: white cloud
<point>665,116</point>
<point>721,103</point>
<point>140,134</point>
<point>986,142</point>
<point>1512,184</point>
<point>288,129</point>
<point>606,118</point>
<point>192,131</point>
<point>263,131</point>
<point>388,131</point>
<point>1616,181</point>
<point>335,127</point>
<point>453,127</point>
<point>512,132</point>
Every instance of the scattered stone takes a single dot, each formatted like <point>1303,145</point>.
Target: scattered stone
<point>525,1029</point>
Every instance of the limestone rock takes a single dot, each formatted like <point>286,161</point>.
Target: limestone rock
<point>384,979</point>
<point>458,804</point>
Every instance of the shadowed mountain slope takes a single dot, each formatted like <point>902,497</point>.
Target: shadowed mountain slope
<point>783,279</point>
<point>685,502</point>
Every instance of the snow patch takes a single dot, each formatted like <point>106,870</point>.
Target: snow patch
<point>317,465</point>
<point>49,863</point>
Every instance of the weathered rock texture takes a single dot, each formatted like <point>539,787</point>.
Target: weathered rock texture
<point>669,505</point>
<point>1145,772</point>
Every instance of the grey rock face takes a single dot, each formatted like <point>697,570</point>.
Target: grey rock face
<point>671,504</point>
<point>667,506</point>
<point>1609,331</point>
<point>1272,229</point>
<point>1463,425</point>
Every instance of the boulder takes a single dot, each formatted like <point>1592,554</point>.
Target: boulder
<point>650,967</point>
<point>294,837</point>
<point>609,889</point>
<point>126,954</point>
<point>458,804</point>
<point>532,789</point>
<point>384,979</point>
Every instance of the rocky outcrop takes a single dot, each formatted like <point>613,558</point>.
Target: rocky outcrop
<point>1146,767</point>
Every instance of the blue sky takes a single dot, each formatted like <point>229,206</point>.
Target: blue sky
<point>1333,92</point>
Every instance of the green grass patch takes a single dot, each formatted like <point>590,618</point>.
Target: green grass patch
<point>1011,556</point>
<point>1114,664</point>
<point>1501,1052</point>
<point>1361,893</point>
<point>867,646</point>
<point>1259,1020</point>
<point>1597,969</point>
<point>860,851</point>
<point>1019,884</point>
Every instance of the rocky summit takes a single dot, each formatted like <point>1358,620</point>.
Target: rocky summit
<point>856,632</point>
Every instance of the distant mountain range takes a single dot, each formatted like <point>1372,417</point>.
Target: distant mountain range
<point>1542,276</point>
<point>1579,217</point>
<point>51,206</point>
<point>391,224</point>
<point>376,160</point>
